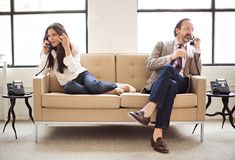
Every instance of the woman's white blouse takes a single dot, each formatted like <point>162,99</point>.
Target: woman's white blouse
<point>74,67</point>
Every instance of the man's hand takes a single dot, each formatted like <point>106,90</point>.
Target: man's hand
<point>196,42</point>
<point>178,53</point>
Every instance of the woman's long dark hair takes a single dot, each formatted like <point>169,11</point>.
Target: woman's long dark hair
<point>59,28</point>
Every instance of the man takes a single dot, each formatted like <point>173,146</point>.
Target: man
<point>171,65</point>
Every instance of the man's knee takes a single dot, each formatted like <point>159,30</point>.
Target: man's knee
<point>173,87</point>
<point>168,67</point>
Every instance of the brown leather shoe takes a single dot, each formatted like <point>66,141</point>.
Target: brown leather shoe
<point>139,116</point>
<point>159,145</point>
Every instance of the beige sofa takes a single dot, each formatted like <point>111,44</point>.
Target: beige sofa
<point>53,107</point>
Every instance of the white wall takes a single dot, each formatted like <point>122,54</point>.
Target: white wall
<point>112,28</point>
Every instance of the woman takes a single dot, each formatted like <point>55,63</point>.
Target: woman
<point>59,55</point>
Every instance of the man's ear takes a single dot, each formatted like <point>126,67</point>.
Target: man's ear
<point>177,31</point>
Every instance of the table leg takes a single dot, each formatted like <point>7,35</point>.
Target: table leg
<point>30,109</point>
<point>8,118</point>
<point>216,113</point>
<point>233,109</point>
<point>13,101</point>
<point>224,118</point>
<point>225,102</point>
<point>208,102</point>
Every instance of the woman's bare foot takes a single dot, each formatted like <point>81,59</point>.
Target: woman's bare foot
<point>119,91</point>
<point>126,87</point>
<point>116,91</point>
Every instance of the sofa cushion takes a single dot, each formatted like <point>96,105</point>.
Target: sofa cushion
<point>131,68</point>
<point>138,100</point>
<point>97,101</point>
<point>101,65</point>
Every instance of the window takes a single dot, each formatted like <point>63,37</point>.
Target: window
<point>179,4</point>
<point>24,25</point>
<point>49,5</point>
<point>212,21</point>
<point>5,38</point>
<point>4,5</point>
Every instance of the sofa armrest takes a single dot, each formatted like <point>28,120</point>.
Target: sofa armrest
<point>198,86</point>
<point>40,86</point>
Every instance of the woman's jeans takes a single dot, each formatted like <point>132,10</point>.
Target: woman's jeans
<point>86,83</point>
<point>163,92</point>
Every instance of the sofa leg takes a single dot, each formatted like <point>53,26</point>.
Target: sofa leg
<point>36,132</point>
<point>202,132</point>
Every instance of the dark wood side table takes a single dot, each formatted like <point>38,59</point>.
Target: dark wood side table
<point>225,110</point>
<point>12,112</point>
<point>225,100</point>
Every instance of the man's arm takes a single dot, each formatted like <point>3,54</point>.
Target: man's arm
<point>196,63</point>
<point>156,59</point>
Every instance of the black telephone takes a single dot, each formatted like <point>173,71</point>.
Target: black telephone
<point>220,86</point>
<point>15,88</point>
<point>50,47</point>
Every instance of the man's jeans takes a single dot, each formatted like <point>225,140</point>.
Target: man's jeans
<point>86,83</point>
<point>163,92</point>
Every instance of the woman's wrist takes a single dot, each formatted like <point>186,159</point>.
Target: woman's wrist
<point>67,51</point>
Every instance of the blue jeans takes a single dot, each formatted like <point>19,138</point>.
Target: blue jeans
<point>86,83</point>
<point>163,92</point>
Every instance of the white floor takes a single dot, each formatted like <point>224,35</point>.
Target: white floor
<point>116,142</point>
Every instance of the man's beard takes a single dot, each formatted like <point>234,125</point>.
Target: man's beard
<point>187,38</point>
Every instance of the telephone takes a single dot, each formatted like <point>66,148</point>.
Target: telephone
<point>220,86</point>
<point>50,47</point>
<point>15,88</point>
<point>192,42</point>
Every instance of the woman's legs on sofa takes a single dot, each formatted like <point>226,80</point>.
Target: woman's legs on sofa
<point>86,83</point>
<point>96,86</point>
<point>73,87</point>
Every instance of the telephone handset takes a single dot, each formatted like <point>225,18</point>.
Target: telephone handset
<point>220,86</point>
<point>192,41</point>
<point>15,88</point>
<point>50,47</point>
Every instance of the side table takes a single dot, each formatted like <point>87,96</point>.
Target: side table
<point>225,100</point>
<point>225,110</point>
<point>12,112</point>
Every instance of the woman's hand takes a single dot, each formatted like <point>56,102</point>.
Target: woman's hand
<point>45,48</point>
<point>65,43</point>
